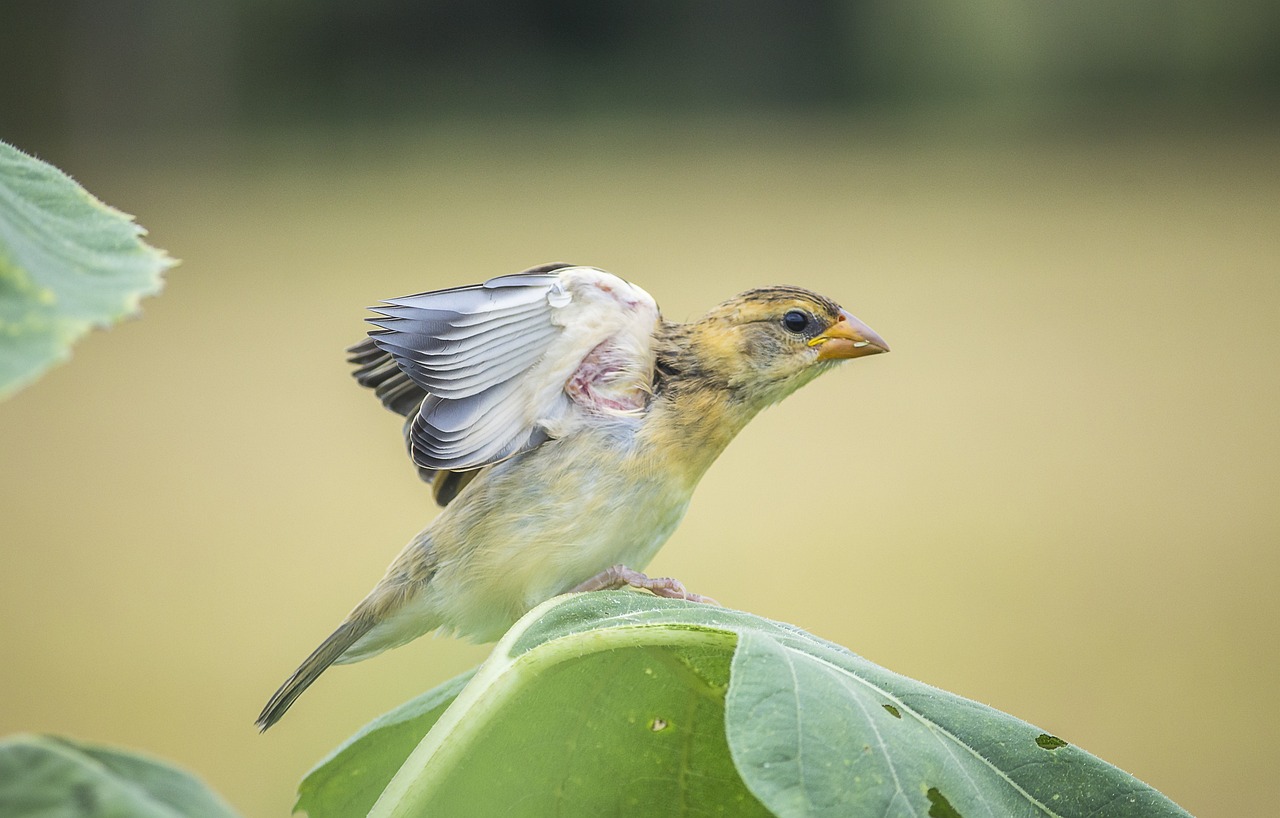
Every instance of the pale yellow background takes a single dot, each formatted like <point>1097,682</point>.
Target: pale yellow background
<point>1058,495</point>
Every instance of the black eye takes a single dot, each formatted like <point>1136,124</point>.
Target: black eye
<point>796,321</point>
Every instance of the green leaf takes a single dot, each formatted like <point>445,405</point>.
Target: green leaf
<point>818,731</point>
<point>48,776</point>
<point>349,780</point>
<point>573,719</point>
<point>619,703</point>
<point>68,263</point>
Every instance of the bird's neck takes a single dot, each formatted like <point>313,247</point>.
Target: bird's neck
<point>688,429</point>
<point>697,405</point>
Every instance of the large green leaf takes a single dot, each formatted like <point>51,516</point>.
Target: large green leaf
<point>68,263</point>
<point>570,718</point>
<point>851,738</point>
<point>47,777</point>
<point>349,780</point>
<point>625,704</point>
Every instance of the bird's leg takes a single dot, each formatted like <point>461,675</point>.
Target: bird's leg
<point>619,576</point>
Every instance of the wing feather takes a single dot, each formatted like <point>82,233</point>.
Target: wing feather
<point>488,364</point>
<point>431,352</point>
<point>453,324</point>
<point>473,375</point>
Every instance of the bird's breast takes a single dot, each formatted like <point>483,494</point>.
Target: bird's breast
<point>541,523</point>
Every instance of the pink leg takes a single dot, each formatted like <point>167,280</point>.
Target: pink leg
<point>620,576</point>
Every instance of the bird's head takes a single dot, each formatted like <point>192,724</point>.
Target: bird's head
<point>764,344</point>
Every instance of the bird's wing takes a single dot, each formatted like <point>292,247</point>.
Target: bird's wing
<point>378,371</point>
<point>510,363</point>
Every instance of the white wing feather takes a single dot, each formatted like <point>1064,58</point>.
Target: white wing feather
<point>517,360</point>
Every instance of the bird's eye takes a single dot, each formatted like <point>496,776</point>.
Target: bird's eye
<point>796,321</point>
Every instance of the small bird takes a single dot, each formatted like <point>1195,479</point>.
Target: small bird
<point>563,426</point>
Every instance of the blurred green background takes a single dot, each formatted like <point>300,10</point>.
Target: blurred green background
<point>1058,495</point>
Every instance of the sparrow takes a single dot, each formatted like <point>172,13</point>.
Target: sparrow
<point>563,425</point>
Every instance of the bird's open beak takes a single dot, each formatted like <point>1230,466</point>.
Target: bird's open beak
<point>848,338</point>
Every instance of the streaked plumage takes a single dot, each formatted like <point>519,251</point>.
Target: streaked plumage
<point>563,425</point>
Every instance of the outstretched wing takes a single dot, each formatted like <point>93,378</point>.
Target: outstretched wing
<point>498,368</point>
<point>379,371</point>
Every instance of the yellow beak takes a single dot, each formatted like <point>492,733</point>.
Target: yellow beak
<point>848,338</point>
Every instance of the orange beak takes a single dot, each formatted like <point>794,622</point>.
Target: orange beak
<point>848,338</point>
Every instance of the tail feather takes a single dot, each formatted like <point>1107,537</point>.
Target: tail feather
<point>330,650</point>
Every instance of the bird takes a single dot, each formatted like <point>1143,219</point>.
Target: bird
<point>563,425</point>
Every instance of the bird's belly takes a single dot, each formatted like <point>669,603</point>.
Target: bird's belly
<point>607,533</point>
<point>551,524</point>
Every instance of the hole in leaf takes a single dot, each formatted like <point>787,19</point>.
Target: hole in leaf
<point>939,806</point>
<point>893,711</point>
<point>1049,742</point>
<point>658,725</point>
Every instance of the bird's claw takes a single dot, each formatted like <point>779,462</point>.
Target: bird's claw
<point>619,576</point>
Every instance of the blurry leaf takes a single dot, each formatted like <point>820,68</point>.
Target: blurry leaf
<point>626,704</point>
<point>351,778</point>
<point>68,263</point>
<point>48,776</point>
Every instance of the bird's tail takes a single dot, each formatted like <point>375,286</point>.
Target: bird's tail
<point>331,649</point>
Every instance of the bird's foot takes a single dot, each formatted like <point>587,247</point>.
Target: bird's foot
<point>620,576</point>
